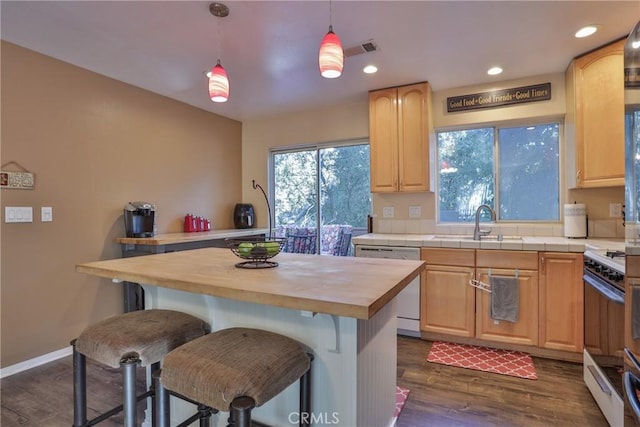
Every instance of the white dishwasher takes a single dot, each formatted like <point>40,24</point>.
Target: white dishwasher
<point>408,300</point>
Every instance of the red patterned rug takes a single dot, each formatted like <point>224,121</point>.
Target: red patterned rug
<point>505,362</point>
<point>402,394</point>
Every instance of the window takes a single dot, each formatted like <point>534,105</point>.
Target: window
<point>515,170</point>
<point>318,187</point>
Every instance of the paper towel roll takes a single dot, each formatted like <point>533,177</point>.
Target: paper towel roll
<point>575,220</point>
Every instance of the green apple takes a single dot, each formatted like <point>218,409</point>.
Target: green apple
<point>245,248</point>
<point>272,247</point>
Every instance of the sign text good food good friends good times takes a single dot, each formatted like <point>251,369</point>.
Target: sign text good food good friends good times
<point>499,98</point>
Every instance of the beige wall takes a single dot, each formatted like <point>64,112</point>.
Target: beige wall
<point>344,122</point>
<point>351,121</point>
<point>94,144</point>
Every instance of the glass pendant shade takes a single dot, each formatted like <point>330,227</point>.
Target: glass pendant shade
<point>331,57</point>
<point>218,84</point>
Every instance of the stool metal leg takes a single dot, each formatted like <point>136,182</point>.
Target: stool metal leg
<point>79,387</point>
<point>205,415</point>
<point>162,406</point>
<point>151,401</point>
<point>240,411</point>
<point>129,393</point>
<point>305,396</point>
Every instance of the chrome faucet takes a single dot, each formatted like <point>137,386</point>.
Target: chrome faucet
<point>477,232</point>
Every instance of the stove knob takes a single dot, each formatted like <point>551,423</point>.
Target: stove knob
<point>598,268</point>
<point>606,272</point>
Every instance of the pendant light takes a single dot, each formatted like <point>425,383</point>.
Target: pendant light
<point>331,56</point>
<point>218,79</point>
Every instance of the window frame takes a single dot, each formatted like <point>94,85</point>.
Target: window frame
<point>304,147</point>
<point>496,126</point>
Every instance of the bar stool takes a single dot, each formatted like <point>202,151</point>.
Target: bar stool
<point>138,338</point>
<point>233,369</point>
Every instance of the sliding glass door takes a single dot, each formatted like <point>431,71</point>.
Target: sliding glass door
<point>322,192</point>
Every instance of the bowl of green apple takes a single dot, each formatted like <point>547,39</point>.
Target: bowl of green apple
<point>256,252</point>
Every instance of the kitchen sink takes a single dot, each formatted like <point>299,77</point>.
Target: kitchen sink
<point>490,238</point>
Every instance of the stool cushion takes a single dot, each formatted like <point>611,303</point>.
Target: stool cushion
<point>230,363</point>
<point>149,334</point>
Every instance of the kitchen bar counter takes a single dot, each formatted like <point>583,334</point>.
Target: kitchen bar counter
<point>342,308</point>
<point>177,238</point>
<point>342,286</point>
<point>133,294</point>
<point>521,243</point>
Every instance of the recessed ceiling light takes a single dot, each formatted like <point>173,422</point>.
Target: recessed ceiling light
<point>586,31</point>
<point>635,45</point>
<point>370,69</point>
<point>494,71</point>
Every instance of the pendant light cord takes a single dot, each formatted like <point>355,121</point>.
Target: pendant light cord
<point>330,15</point>
<point>219,39</point>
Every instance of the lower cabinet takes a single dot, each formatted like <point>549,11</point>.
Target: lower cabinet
<point>550,293</point>
<point>448,302</point>
<point>523,266</point>
<point>561,301</point>
<point>525,329</point>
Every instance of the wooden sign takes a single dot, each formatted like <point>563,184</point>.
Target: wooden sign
<point>499,98</point>
<point>17,180</point>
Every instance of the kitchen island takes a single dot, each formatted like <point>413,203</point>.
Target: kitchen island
<point>343,308</point>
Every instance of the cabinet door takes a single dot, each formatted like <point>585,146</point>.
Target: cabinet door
<point>413,137</point>
<point>448,302</point>
<point>562,302</point>
<point>599,109</point>
<point>525,330</point>
<point>383,138</point>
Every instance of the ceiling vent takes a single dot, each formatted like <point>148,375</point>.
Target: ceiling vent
<point>364,47</point>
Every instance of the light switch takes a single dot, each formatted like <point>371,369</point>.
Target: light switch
<point>9,214</point>
<point>18,214</point>
<point>46,213</point>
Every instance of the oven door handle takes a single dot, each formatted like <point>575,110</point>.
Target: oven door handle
<point>633,359</point>
<point>603,289</point>
<point>631,384</point>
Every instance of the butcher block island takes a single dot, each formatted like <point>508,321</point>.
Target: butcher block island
<point>343,308</point>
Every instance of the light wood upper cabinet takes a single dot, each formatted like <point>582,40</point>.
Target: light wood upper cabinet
<point>595,118</point>
<point>400,133</point>
<point>562,301</point>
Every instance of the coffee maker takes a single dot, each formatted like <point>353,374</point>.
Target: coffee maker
<point>140,219</point>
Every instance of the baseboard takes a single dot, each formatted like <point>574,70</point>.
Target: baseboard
<point>36,361</point>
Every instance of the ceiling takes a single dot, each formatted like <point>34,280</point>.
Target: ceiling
<point>270,48</point>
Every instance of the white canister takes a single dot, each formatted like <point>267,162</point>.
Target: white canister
<point>575,220</point>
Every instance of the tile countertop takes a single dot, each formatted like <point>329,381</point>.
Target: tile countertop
<point>517,243</point>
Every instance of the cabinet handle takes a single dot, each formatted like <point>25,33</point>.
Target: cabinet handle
<point>578,174</point>
<point>596,376</point>
<point>542,264</point>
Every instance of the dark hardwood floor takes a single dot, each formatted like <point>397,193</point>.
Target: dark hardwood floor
<point>449,396</point>
<point>440,395</point>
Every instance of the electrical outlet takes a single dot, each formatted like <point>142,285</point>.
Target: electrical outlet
<point>415,212</point>
<point>615,210</point>
<point>388,212</point>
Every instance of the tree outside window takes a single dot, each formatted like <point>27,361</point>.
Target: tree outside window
<point>513,169</point>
